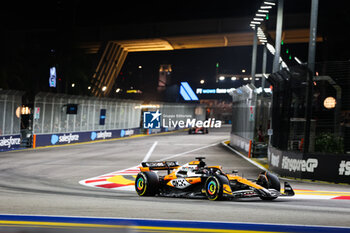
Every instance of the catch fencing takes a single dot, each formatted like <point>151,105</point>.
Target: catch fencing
<point>250,119</point>
<point>10,122</point>
<point>62,119</point>
<point>50,114</point>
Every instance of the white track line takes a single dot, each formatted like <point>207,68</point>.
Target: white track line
<point>149,153</point>
<point>187,152</point>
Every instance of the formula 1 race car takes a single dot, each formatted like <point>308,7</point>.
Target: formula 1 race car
<point>198,130</point>
<point>195,179</point>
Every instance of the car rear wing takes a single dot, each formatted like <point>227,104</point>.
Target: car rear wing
<point>162,165</point>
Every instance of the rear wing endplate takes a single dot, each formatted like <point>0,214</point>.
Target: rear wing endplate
<point>163,165</point>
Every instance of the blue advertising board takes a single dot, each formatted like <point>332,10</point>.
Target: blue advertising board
<point>52,79</point>
<point>10,142</point>
<point>102,116</point>
<point>75,137</point>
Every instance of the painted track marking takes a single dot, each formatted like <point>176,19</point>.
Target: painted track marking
<point>149,153</point>
<point>156,225</point>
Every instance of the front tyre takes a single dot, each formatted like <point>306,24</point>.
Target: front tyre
<point>214,188</point>
<point>147,184</point>
<point>269,181</point>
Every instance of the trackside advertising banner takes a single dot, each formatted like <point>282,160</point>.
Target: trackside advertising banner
<point>74,137</point>
<point>10,142</point>
<point>325,167</point>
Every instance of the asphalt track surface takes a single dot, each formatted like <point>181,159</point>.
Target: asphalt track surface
<point>46,182</point>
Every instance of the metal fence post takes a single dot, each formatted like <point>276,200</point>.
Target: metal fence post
<point>255,45</point>
<point>263,73</point>
<point>276,59</point>
<point>310,74</point>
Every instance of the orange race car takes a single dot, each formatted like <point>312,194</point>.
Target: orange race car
<point>196,179</point>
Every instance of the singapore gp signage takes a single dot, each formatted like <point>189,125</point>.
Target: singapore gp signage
<point>10,142</point>
<point>291,164</point>
<point>155,120</point>
<point>325,167</point>
<point>344,168</point>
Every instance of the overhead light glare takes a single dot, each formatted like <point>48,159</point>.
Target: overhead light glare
<point>253,22</point>
<point>284,65</point>
<point>297,60</point>
<point>270,3</point>
<point>258,19</point>
<point>263,11</point>
<point>270,48</point>
<point>266,7</point>
<point>261,15</point>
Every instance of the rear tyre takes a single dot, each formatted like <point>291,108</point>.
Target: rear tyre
<point>147,184</point>
<point>269,181</point>
<point>214,187</point>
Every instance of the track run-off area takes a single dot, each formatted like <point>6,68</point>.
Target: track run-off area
<point>45,187</point>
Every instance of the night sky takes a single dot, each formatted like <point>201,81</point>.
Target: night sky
<point>39,34</point>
